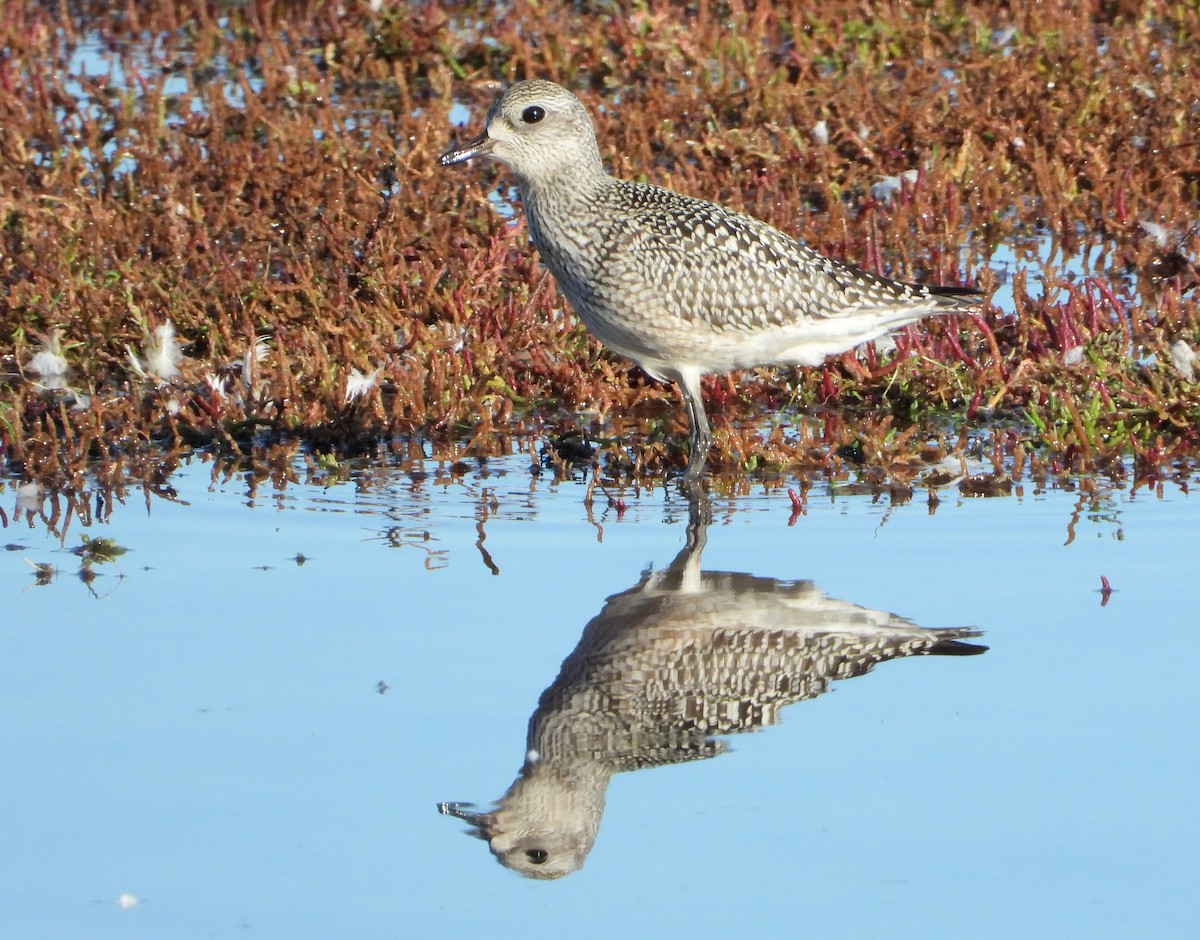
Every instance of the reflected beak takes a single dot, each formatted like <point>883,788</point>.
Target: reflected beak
<point>473,148</point>
<point>464,811</point>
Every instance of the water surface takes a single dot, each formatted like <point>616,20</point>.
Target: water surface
<point>245,724</point>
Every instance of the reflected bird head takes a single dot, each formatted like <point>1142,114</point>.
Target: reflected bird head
<point>544,826</point>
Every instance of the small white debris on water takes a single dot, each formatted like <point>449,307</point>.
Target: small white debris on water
<point>29,498</point>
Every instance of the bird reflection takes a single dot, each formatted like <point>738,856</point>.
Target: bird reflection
<point>682,656</point>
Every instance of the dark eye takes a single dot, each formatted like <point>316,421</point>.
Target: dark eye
<point>537,856</point>
<point>532,115</point>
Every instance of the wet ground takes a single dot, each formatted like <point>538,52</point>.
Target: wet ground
<point>244,724</point>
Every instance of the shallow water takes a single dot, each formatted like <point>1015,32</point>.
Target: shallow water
<point>246,722</point>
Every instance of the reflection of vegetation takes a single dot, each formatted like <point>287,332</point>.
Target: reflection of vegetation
<point>239,181</point>
<point>92,551</point>
<point>99,551</point>
<point>96,552</point>
<point>396,537</point>
<point>1100,509</point>
<point>43,572</point>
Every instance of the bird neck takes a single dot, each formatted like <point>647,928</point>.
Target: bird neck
<point>561,207</point>
<point>569,181</point>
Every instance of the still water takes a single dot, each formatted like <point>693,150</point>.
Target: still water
<point>244,725</point>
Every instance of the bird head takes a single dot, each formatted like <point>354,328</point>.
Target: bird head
<point>546,824</point>
<point>537,129</point>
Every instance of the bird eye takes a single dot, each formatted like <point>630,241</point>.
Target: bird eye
<point>532,114</point>
<point>537,856</point>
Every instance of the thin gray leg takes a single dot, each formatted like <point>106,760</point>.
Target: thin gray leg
<point>699,433</point>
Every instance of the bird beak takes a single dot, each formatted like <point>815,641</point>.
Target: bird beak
<point>480,145</point>
<point>463,811</point>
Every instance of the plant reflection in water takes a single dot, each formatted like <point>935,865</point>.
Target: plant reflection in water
<point>681,657</point>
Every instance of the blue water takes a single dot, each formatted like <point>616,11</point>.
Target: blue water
<point>202,729</point>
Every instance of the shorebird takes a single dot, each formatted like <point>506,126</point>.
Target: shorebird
<point>681,286</point>
<point>661,675</point>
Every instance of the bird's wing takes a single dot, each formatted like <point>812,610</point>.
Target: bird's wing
<point>739,273</point>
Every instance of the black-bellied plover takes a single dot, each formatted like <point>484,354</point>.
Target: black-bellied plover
<point>668,666</point>
<point>681,286</point>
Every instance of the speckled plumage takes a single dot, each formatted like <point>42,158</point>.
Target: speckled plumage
<point>681,286</point>
<point>680,657</point>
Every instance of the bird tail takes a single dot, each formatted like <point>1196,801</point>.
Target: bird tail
<point>956,647</point>
<point>956,298</point>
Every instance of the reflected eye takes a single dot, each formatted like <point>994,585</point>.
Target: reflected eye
<point>532,115</point>
<point>537,856</point>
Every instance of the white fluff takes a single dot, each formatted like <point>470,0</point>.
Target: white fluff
<point>888,187</point>
<point>1158,233</point>
<point>48,362</point>
<point>163,352</point>
<point>358,384</point>
<point>1183,358</point>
